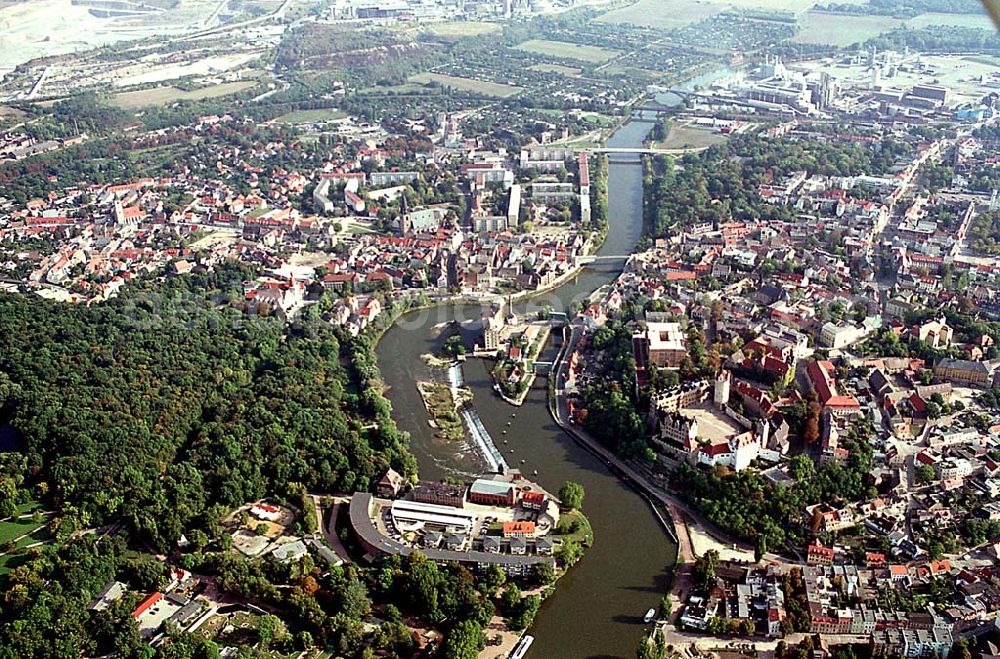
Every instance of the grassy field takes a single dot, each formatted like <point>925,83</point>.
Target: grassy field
<point>682,136</point>
<point>664,15</point>
<point>311,116</point>
<point>556,68</point>
<point>17,527</point>
<point>460,29</point>
<point>583,533</point>
<point>840,30</point>
<point>466,84</point>
<point>563,49</point>
<point>984,59</point>
<point>166,95</point>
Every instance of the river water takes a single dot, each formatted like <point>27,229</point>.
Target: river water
<point>598,607</point>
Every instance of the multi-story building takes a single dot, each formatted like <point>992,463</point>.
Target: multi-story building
<point>488,492</point>
<point>661,344</point>
<point>441,494</point>
<point>961,371</point>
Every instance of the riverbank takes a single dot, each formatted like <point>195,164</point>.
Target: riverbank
<point>598,609</point>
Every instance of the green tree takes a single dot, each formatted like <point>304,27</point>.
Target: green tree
<point>465,641</point>
<point>542,574</point>
<point>704,566</point>
<point>960,650</point>
<point>760,548</point>
<point>571,552</point>
<point>924,474</point>
<point>571,494</point>
<point>492,580</point>
<point>666,607</point>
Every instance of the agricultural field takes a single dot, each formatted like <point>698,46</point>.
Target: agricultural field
<point>662,15</point>
<point>166,95</point>
<point>466,84</point>
<point>556,68</point>
<point>817,27</point>
<point>460,29</point>
<point>566,50</point>
<point>311,116</point>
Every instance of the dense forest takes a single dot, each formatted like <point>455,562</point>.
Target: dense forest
<point>906,9</point>
<point>156,406</point>
<point>946,38</point>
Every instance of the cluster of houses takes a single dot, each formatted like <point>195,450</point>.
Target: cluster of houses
<point>849,603</point>
<point>83,244</point>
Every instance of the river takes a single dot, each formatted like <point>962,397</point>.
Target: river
<point>597,609</point>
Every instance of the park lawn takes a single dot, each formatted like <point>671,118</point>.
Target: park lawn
<point>17,527</point>
<point>29,507</point>
<point>583,534</point>
<point>460,29</point>
<point>556,68</point>
<point>816,27</point>
<point>566,50</point>
<point>41,535</point>
<point>353,227</point>
<point>466,84</point>
<point>662,14</point>
<point>167,95</point>
<point>635,73</point>
<point>311,116</point>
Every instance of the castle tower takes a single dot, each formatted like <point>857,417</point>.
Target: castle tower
<point>763,432</point>
<point>723,381</point>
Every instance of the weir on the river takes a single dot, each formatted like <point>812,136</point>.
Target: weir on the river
<point>480,435</point>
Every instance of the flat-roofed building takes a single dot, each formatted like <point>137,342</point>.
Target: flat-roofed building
<point>413,514</point>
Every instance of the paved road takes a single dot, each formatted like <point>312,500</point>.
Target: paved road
<point>329,528</point>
